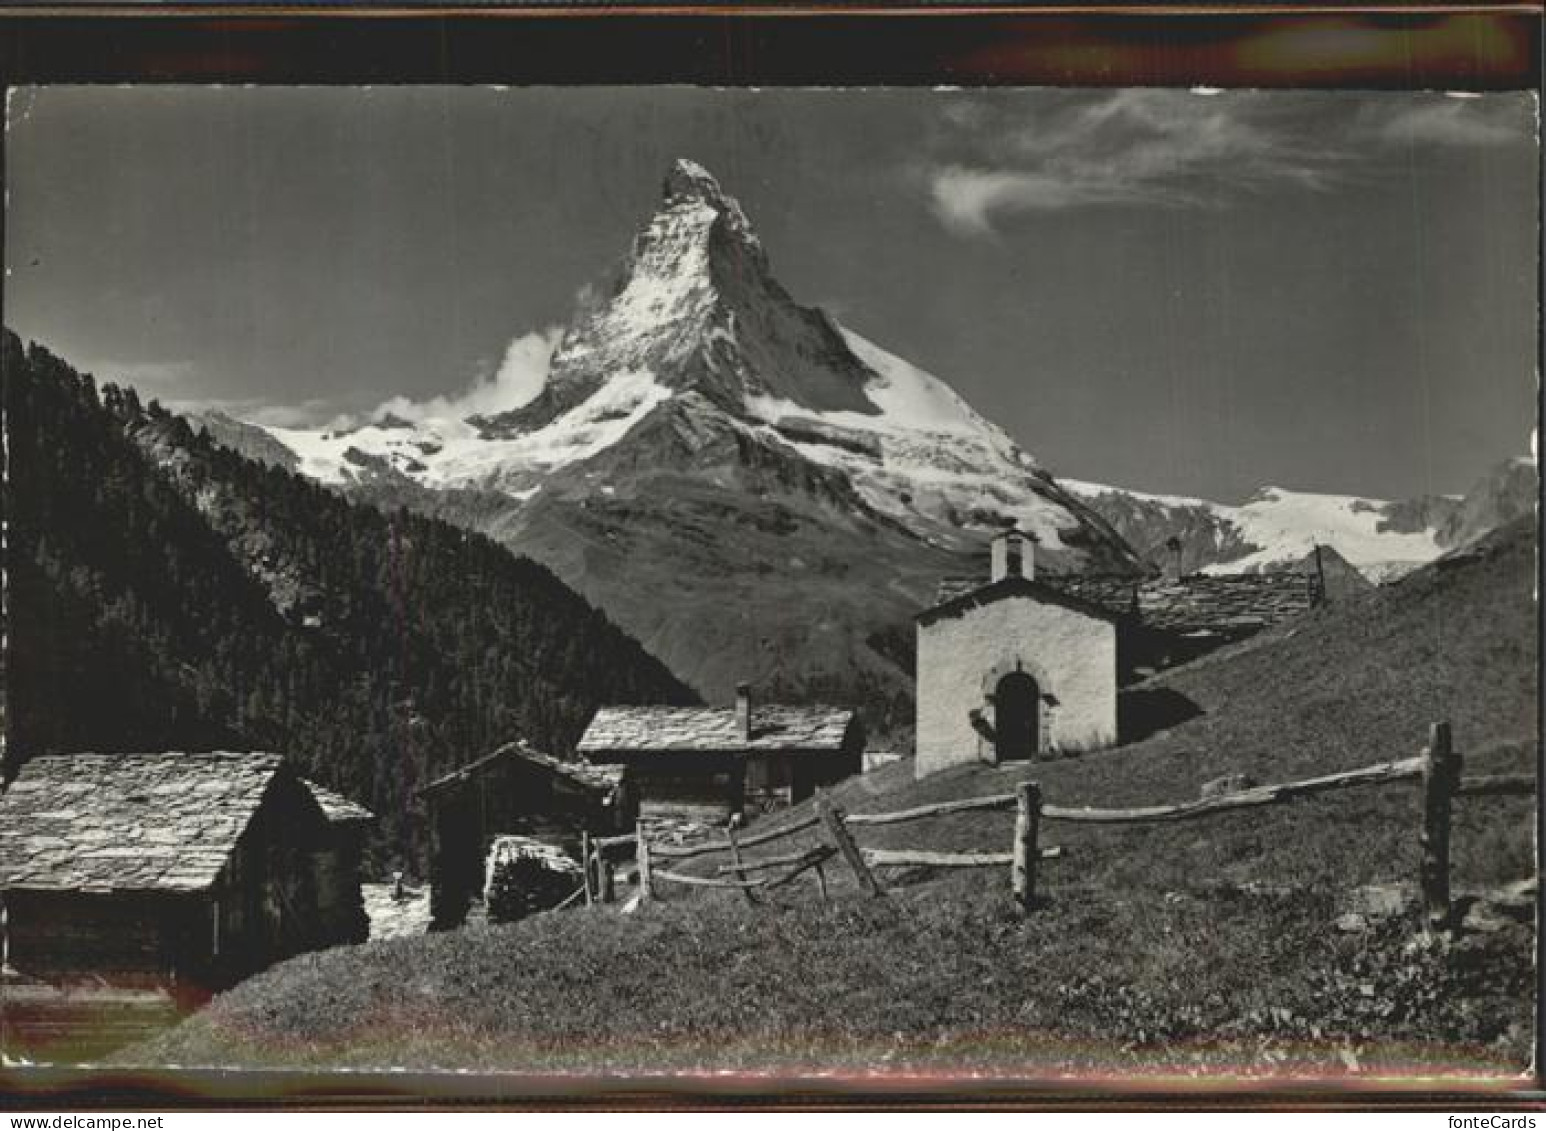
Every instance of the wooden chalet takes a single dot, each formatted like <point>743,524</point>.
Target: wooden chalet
<point>516,790</point>
<point>189,871</point>
<point>705,764</point>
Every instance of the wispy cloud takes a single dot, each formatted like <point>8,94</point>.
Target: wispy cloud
<point>1452,120</point>
<point>311,413</point>
<point>1000,154</point>
<point>519,377</point>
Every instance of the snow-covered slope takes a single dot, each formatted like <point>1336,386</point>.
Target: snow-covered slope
<point>1275,527</point>
<point>449,452</point>
<point>1290,523</point>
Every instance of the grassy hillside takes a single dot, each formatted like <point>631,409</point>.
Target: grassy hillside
<point>1204,946</point>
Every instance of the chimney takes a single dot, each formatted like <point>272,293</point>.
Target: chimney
<point>1013,555</point>
<point>743,711</point>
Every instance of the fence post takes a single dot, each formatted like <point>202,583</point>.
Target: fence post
<point>832,817</point>
<point>1441,773</point>
<point>1026,849</point>
<point>735,862</point>
<point>585,864</point>
<point>646,892</point>
<point>604,866</point>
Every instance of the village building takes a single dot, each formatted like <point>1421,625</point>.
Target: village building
<point>707,764</point>
<point>514,791</point>
<point>340,872</point>
<point>1023,664</point>
<point>187,871</point>
<point>1012,667</point>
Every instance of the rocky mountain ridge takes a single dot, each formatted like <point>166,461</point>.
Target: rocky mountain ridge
<point>1275,528</point>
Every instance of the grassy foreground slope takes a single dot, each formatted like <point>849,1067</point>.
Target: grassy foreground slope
<point>1207,946</point>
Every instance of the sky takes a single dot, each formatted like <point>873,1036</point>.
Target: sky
<point>1196,293</point>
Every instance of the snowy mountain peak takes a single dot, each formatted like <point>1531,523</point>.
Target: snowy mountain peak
<point>693,352</point>
<point>687,179</point>
<point>690,186</point>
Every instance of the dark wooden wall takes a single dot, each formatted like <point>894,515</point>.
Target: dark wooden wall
<point>710,788</point>
<point>270,902</point>
<point>706,788</point>
<point>507,797</point>
<point>126,938</point>
<point>290,885</point>
<point>337,870</point>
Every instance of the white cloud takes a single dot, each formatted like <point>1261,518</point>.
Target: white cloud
<point>1451,120</point>
<point>967,199</point>
<point>255,410</point>
<point>303,415</point>
<point>1000,154</point>
<point>1161,147</point>
<point>520,377</point>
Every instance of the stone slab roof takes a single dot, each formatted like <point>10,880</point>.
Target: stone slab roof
<point>1113,593</point>
<point>336,807</point>
<point>617,732</point>
<point>1223,603</point>
<point>601,779</point>
<point>955,595</point>
<point>128,822</point>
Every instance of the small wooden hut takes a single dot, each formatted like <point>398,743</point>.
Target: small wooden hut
<point>340,872</point>
<point>514,791</point>
<point>705,764</point>
<point>184,870</point>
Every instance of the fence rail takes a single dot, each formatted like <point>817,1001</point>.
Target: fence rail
<point>1243,799</point>
<point>1438,768</point>
<point>967,804</point>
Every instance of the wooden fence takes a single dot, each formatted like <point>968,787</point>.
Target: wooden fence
<point>1437,767</point>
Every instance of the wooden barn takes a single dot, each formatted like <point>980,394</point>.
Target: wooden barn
<point>340,871</point>
<point>705,764</point>
<point>514,791</point>
<point>188,871</point>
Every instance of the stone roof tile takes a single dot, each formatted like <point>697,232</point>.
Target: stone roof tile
<point>164,822</point>
<point>1230,604</point>
<point>336,807</point>
<point>599,779</point>
<point>621,731</point>
<point>1225,603</point>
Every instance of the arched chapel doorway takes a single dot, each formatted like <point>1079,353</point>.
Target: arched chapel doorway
<point>1017,718</point>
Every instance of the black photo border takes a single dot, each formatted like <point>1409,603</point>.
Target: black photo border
<point>1395,46</point>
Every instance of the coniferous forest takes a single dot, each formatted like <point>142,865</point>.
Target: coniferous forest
<point>165,593</point>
